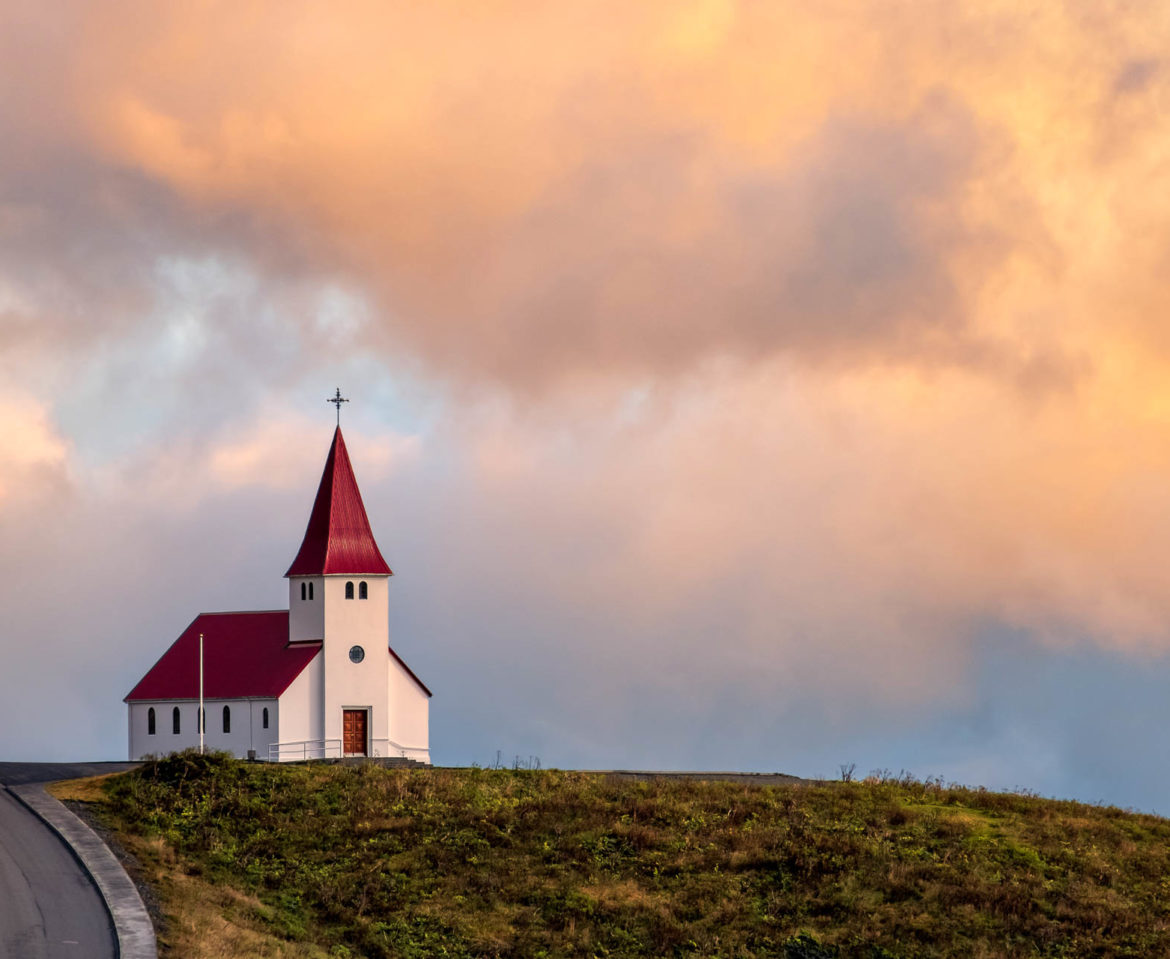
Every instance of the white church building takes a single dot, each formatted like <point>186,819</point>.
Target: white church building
<point>318,680</point>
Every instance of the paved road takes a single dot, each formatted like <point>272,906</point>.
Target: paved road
<point>49,907</point>
<point>17,774</point>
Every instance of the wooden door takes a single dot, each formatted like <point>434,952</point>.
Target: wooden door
<point>354,732</point>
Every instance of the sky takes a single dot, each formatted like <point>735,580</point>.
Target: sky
<point>764,385</point>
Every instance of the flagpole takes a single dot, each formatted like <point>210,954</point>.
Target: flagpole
<point>199,720</point>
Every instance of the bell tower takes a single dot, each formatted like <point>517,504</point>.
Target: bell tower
<point>339,596</point>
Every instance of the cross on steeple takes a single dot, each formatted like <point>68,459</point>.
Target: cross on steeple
<point>337,399</point>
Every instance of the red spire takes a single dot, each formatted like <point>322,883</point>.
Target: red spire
<point>338,539</point>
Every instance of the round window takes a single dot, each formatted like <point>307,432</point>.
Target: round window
<point>356,654</point>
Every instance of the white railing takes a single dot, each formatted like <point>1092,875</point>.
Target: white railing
<point>332,749</point>
<point>419,753</point>
<point>305,749</point>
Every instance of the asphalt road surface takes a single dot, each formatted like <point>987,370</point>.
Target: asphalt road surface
<point>49,908</point>
<point>17,774</point>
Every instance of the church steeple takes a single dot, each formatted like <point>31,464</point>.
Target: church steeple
<point>338,540</point>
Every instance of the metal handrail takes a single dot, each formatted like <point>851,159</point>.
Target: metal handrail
<point>307,749</point>
<point>332,749</point>
<point>422,753</point>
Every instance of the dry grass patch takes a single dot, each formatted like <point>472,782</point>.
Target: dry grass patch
<point>203,919</point>
<point>91,789</point>
<point>625,894</point>
<point>207,921</point>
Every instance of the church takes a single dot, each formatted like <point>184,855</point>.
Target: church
<point>316,681</point>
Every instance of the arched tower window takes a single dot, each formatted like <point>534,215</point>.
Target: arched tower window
<point>264,717</point>
<point>310,590</point>
<point>175,720</point>
<point>363,592</point>
<point>150,721</point>
<point>304,592</point>
<point>227,719</point>
<point>349,590</point>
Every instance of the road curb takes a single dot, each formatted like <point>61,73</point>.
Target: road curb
<point>133,929</point>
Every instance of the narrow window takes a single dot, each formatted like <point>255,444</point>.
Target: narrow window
<point>150,721</point>
<point>310,590</point>
<point>202,721</point>
<point>175,720</point>
<point>265,717</point>
<point>362,592</point>
<point>227,719</point>
<point>303,591</point>
<point>349,590</point>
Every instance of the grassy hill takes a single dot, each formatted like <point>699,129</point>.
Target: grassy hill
<point>364,861</point>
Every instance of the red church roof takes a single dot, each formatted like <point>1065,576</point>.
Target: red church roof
<point>338,540</point>
<point>244,655</point>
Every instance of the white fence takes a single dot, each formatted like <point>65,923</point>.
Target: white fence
<point>331,749</point>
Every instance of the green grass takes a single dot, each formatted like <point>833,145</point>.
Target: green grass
<point>365,861</point>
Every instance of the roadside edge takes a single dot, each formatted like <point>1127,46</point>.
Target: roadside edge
<point>132,926</point>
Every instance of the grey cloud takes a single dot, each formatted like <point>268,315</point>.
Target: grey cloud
<point>654,248</point>
<point>1135,75</point>
<point>846,250</point>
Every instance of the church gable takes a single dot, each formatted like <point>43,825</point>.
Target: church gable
<point>410,672</point>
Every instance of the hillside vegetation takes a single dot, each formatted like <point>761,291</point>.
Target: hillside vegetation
<point>363,861</point>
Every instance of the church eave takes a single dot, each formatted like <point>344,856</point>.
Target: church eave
<point>206,699</point>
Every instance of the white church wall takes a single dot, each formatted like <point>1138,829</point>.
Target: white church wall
<point>238,739</point>
<point>409,713</point>
<point>299,711</point>
<point>306,617</point>
<point>350,623</point>
<point>142,744</point>
<point>164,740</point>
<point>245,730</point>
<point>262,737</point>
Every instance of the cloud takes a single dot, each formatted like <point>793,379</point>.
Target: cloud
<point>773,532</point>
<point>271,456</point>
<point>528,217</point>
<point>33,455</point>
<point>522,201</point>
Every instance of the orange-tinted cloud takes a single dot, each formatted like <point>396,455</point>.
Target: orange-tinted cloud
<point>32,454</point>
<point>526,195</point>
<point>779,530</point>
